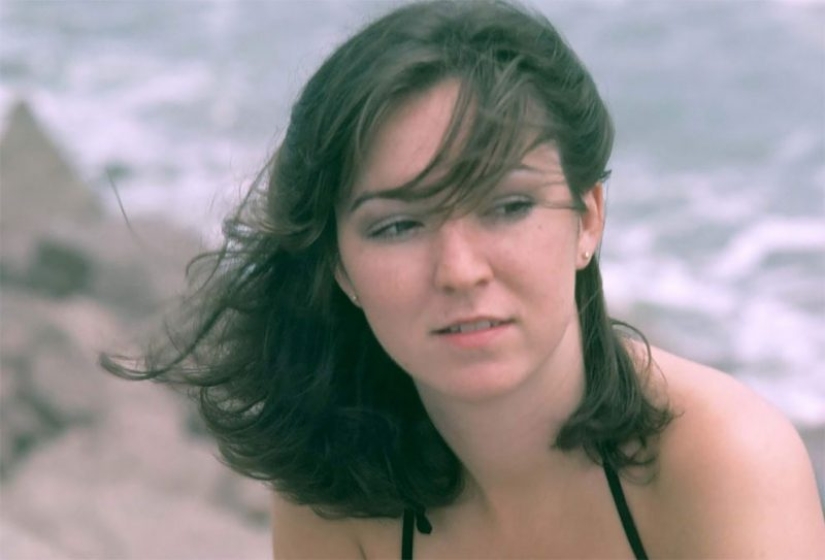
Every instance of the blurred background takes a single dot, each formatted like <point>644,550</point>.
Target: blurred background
<point>715,243</point>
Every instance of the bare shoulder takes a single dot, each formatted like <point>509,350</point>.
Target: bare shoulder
<point>735,479</point>
<point>299,532</point>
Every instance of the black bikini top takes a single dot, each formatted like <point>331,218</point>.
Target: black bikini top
<point>416,519</point>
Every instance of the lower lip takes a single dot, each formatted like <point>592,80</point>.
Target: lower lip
<point>475,339</point>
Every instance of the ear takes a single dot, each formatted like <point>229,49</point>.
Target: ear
<point>591,225</point>
<point>343,281</point>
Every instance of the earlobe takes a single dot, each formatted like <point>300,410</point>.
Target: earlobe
<point>591,224</point>
<point>343,281</point>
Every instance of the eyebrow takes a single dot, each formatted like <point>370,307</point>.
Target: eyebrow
<point>372,195</point>
<point>394,194</point>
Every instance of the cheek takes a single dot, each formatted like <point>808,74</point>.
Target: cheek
<point>543,249</point>
<point>387,284</point>
<point>392,300</point>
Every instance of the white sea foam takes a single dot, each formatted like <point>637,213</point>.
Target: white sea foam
<point>754,244</point>
<point>721,273</point>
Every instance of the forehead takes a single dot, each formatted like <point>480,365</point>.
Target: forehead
<point>408,139</point>
<point>442,143</point>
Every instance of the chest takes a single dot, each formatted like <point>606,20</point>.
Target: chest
<point>586,528</point>
<point>533,539</point>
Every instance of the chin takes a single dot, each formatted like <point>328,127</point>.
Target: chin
<point>472,386</point>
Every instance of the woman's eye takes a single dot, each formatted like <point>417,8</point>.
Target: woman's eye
<point>397,229</point>
<point>511,209</point>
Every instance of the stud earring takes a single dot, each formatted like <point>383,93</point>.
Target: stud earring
<point>586,255</point>
<point>354,298</point>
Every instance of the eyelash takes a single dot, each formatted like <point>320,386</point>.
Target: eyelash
<point>508,210</point>
<point>511,209</point>
<point>397,229</point>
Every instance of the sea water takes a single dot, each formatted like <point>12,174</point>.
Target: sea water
<point>715,242</point>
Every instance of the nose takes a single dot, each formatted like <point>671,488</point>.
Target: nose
<point>460,261</point>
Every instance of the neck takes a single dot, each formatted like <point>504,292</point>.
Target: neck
<point>506,443</point>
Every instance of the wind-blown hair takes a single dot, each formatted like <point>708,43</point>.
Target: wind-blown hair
<point>286,371</point>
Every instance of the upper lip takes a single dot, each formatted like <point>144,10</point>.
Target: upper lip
<point>468,320</point>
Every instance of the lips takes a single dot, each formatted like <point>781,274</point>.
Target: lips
<point>472,325</point>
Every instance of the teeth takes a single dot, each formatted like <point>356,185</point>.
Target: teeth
<point>470,327</point>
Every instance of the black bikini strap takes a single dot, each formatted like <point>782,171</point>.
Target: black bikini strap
<point>624,512</point>
<point>413,519</point>
<point>407,535</point>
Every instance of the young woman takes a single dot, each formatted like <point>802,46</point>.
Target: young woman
<point>405,332</point>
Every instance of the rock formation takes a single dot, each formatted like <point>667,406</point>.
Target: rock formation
<point>91,465</point>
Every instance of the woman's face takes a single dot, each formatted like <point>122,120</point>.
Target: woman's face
<point>474,305</point>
